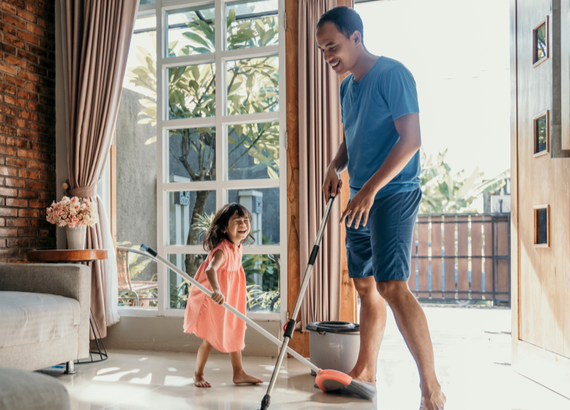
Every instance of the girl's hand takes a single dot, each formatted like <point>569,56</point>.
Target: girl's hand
<point>217,297</point>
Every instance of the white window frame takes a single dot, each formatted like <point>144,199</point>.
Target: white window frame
<point>221,121</point>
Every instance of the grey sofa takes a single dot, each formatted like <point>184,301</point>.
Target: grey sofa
<point>44,314</point>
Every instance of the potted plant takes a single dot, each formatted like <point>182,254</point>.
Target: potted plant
<point>75,214</point>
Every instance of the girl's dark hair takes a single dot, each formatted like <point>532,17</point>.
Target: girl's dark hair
<point>346,20</point>
<point>215,233</point>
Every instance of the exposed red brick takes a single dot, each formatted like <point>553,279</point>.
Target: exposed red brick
<point>26,16</point>
<point>7,68</point>
<point>18,183</point>
<point>7,150</point>
<point>7,28</point>
<point>17,142</point>
<point>18,243</point>
<point>8,212</point>
<point>34,203</point>
<point>22,193</point>
<point>18,82</point>
<point>35,29</point>
<point>22,153</point>
<point>15,61</point>
<point>15,21</point>
<point>30,77</point>
<point>8,232</point>
<point>18,203</point>
<point>10,8</point>
<point>39,223</point>
<point>24,173</point>
<point>8,192</point>
<point>40,185</point>
<point>29,213</point>
<point>27,232</point>
<point>18,222</point>
<point>14,41</point>
<point>16,122</point>
<point>6,109</point>
<point>8,171</point>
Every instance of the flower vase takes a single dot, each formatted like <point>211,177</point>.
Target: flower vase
<point>76,237</point>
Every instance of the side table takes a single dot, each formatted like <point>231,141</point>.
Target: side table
<point>77,256</point>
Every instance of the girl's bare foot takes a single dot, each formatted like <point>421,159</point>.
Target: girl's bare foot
<point>199,381</point>
<point>243,377</point>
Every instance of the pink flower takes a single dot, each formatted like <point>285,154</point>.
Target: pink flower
<point>72,225</point>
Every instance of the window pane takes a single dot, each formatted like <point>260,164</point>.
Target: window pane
<point>264,207</point>
<point>192,154</point>
<point>191,31</point>
<point>188,213</point>
<point>540,134</point>
<point>191,91</point>
<point>540,43</point>
<point>253,151</point>
<point>252,24</point>
<point>253,85</point>
<point>136,144</point>
<point>180,287</point>
<point>262,277</point>
<point>137,277</point>
<point>542,226</point>
<point>143,2</point>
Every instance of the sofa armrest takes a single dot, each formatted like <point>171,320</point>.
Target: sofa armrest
<point>63,279</point>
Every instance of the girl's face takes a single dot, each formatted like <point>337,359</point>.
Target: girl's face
<point>238,228</point>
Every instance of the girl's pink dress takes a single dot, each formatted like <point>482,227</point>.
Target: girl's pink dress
<point>211,322</point>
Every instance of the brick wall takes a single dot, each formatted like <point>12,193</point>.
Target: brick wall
<point>27,126</point>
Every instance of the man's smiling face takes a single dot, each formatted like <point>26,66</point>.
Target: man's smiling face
<point>339,52</point>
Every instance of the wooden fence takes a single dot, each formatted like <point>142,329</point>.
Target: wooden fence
<point>462,257</point>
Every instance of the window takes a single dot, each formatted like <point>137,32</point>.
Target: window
<point>219,138</point>
<point>540,43</point>
<point>542,226</point>
<point>542,134</point>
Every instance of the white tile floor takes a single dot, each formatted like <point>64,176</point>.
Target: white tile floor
<point>472,348</point>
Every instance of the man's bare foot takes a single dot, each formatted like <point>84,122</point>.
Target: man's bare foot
<point>433,401</point>
<point>364,376</point>
<point>199,381</point>
<point>243,377</point>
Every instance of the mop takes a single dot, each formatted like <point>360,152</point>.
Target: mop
<point>327,380</point>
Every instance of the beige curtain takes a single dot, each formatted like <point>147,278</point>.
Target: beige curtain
<point>96,38</point>
<point>319,138</point>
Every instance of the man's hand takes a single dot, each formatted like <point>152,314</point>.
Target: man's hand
<point>332,184</point>
<point>217,297</point>
<point>358,208</point>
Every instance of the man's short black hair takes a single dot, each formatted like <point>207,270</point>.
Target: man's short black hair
<point>346,20</point>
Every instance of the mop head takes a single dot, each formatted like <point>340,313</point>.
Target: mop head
<point>331,380</point>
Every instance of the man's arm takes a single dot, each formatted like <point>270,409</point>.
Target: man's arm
<point>333,182</point>
<point>408,127</point>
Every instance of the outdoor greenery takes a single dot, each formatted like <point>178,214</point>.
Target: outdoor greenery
<point>252,87</point>
<point>447,193</point>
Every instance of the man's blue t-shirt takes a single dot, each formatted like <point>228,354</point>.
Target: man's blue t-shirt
<point>369,108</point>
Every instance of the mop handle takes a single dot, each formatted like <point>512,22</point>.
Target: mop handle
<point>155,256</point>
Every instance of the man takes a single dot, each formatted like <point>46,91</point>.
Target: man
<point>380,115</point>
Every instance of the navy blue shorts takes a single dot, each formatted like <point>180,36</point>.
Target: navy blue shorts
<point>383,247</point>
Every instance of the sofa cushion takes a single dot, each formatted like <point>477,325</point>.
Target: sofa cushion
<point>35,317</point>
<point>23,390</point>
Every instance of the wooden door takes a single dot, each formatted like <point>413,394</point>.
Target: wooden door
<point>541,191</point>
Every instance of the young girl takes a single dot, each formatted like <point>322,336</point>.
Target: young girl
<point>222,273</point>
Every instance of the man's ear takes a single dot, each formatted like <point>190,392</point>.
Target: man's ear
<point>357,37</point>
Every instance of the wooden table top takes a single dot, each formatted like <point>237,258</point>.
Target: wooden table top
<point>67,255</point>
